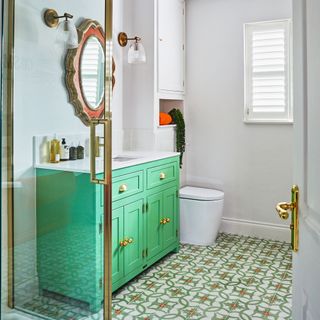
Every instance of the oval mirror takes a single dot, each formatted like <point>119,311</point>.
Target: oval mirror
<point>85,72</point>
<point>92,72</point>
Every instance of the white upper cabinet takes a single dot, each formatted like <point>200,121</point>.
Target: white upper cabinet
<point>171,26</point>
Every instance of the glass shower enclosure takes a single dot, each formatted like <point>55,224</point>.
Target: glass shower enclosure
<point>56,83</point>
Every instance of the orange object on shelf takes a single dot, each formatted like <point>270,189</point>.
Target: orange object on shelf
<point>164,118</point>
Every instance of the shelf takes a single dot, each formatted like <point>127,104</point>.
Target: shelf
<point>167,126</point>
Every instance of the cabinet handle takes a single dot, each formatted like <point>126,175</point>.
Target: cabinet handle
<point>123,188</point>
<point>162,175</point>
<point>126,242</point>
<point>160,39</point>
<point>163,221</point>
<point>168,220</point>
<point>123,243</point>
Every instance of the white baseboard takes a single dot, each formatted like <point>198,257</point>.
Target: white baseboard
<point>255,229</point>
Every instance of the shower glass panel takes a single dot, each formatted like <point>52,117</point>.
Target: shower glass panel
<point>54,225</point>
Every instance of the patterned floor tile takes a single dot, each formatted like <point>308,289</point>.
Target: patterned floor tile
<point>240,278</point>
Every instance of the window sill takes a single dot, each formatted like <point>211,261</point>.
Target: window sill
<point>290,122</point>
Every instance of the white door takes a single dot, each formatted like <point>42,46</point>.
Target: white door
<point>306,262</point>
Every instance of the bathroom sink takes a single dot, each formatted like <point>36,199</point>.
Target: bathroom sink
<point>123,158</point>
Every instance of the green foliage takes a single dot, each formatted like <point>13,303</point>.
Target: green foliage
<point>177,118</point>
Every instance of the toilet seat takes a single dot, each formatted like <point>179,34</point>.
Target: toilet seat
<point>201,194</point>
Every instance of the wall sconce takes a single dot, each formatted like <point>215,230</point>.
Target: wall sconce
<point>66,29</point>
<point>136,53</point>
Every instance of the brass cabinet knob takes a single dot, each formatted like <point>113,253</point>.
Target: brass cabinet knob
<point>123,188</point>
<point>126,242</point>
<point>162,175</point>
<point>123,243</point>
<point>168,220</point>
<point>163,221</point>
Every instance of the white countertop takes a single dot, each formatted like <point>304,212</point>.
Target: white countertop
<point>83,166</point>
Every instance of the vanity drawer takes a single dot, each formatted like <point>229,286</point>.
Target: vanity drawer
<point>127,185</point>
<point>157,176</point>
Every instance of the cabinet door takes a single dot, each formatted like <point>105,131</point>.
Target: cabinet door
<point>171,45</point>
<point>153,226</point>
<point>117,237</point>
<point>133,229</point>
<point>170,212</point>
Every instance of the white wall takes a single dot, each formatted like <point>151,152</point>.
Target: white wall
<point>251,163</point>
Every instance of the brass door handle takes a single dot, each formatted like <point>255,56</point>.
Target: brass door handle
<point>93,150</point>
<point>123,188</point>
<point>162,175</point>
<point>283,209</point>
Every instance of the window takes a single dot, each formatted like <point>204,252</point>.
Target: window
<point>268,72</point>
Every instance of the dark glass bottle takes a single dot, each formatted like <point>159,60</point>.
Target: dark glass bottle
<point>80,151</point>
<point>73,153</point>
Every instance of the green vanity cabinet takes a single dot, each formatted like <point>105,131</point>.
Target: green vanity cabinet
<point>69,239</point>
<point>70,224</point>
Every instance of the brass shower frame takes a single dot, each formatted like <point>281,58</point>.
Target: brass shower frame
<point>8,98</point>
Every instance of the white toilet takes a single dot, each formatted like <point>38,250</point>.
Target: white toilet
<point>200,215</point>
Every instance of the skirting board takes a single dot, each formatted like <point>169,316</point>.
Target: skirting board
<point>256,229</point>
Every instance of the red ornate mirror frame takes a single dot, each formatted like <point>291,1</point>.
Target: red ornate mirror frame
<point>82,110</point>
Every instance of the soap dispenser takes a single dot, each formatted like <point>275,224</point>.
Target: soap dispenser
<point>64,150</point>
<point>54,150</point>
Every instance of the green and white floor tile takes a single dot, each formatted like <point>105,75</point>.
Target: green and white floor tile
<point>237,278</point>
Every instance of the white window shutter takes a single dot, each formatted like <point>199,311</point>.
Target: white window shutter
<point>268,72</point>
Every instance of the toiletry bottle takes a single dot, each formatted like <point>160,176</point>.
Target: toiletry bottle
<point>54,150</point>
<point>64,150</point>
<point>73,152</point>
<point>80,151</point>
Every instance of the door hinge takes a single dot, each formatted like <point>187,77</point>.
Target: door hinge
<point>147,253</point>
<point>100,283</point>
<point>248,111</point>
<point>100,227</point>
<point>143,254</point>
<point>177,233</point>
<point>177,193</point>
<point>183,47</point>
<point>147,207</point>
<point>143,208</point>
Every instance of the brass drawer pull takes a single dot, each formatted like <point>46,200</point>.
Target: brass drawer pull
<point>126,242</point>
<point>123,188</point>
<point>165,220</point>
<point>162,175</point>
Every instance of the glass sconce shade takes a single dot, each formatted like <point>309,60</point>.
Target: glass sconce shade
<point>136,53</point>
<point>67,34</point>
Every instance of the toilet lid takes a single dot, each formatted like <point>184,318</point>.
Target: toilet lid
<point>201,194</point>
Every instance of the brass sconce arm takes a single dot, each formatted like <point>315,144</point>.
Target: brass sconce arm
<point>123,39</point>
<point>51,17</point>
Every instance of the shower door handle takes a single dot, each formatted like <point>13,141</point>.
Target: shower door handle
<point>283,208</point>
<point>94,145</point>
